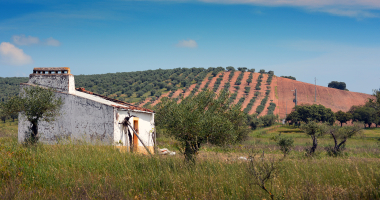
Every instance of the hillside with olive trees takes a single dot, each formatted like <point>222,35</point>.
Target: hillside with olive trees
<point>258,92</point>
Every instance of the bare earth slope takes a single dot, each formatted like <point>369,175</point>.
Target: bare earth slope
<point>329,97</point>
<point>281,94</point>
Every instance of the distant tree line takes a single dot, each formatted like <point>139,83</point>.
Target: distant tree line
<point>368,114</point>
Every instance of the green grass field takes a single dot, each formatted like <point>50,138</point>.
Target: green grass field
<point>80,171</point>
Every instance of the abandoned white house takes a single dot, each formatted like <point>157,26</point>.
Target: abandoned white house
<point>88,116</point>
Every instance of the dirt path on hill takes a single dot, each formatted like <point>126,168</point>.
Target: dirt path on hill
<point>262,94</point>
<point>251,93</point>
<point>243,84</point>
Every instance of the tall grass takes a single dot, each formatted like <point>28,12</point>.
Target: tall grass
<point>81,171</point>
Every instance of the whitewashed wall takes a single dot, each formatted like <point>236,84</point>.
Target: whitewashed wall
<point>146,127</point>
<point>80,119</point>
<point>59,82</point>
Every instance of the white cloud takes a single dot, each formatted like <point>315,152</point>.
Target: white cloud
<point>187,44</point>
<point>23,40</point>
<point>11,55</point>
<point>348,8</point>
<point>52,42</point>
<point>30,40</point>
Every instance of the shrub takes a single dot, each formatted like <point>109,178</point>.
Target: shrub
<point>247,89</point>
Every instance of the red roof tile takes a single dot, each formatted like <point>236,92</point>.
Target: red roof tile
<point>127,105</point>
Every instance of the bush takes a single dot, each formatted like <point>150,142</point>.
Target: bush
<point>247,90</point>
<point>271,108</point>
<point>285,143</point>
<point>241,100</point>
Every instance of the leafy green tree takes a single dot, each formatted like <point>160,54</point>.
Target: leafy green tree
<point>242,69</point>
<point>340,136</point>
<point>200,119</point>
<point>253,121</point>
<point>365,114</point>
<point>36,104</point>
<point>314,130</point>
<point>285,143</point>
<point>314,112</point>
<point>293,117</point>
<point>230,68</point>
<point>269,120</point>
<point>14,116</point>
<point>342,117</point>
<point>3,117</point>
<point>337,85</point>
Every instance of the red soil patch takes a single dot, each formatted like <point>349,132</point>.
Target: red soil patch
<point>329,97</point>
<point>176,93</point>
<point>244,83</point>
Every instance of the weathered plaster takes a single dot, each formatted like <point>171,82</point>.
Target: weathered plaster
<point>85,116</point>
<point>146,127</point>
<point>59,82</point>
<point>80,119</point>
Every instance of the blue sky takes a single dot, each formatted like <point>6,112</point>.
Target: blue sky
<point>333,40</point>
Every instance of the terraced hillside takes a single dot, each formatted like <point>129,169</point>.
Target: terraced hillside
<point>261,93</point>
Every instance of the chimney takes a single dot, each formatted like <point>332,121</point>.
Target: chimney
<point>58,78</point>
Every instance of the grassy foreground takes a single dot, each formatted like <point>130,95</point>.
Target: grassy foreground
<point>73,171</point>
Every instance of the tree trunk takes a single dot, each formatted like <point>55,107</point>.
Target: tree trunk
<point>315,144</point>
<point>191,149</point>
<point>341,124</point>
<point>34,128</point>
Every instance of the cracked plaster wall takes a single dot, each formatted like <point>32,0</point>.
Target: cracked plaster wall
<point>80,119</point>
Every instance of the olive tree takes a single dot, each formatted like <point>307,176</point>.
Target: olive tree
<point>314,130</point>
<point>340,136</point>
<point>203,118</point>
<point>343,117</point>
<point>36,104</point>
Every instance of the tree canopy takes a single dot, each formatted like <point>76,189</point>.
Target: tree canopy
<point>306,113</point>
<point>36,104</point>
<point>343,117</point>
<point>200,119</point>
<point>337,85</point>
